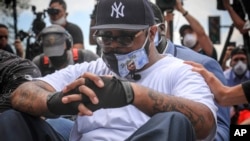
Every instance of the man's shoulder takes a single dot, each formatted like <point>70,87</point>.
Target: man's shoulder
<point>71,25</point>
<point>209,63</point>
<point>188,54</point>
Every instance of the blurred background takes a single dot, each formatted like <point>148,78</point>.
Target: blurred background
<point>24,17</point>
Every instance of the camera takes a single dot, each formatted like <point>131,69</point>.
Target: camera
<point>53,11</point>
<point>33,47</point>
<point>166,5</point>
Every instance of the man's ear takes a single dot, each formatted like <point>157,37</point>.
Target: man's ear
<point>152,32</point>
<point>66,14</point>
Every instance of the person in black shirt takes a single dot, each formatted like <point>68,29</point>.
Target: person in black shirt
<point>57,13</point>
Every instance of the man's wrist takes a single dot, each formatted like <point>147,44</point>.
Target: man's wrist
<point>128,91</point>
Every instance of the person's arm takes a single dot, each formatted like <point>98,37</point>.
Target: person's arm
<point>19,48</point>
<point>203,39</point>
<point>168,18</point>
<point>31,97</point>
<point>238,22</point>
<point>224,95</point>
<point>148,101</point>
<point>152,102</point>
<point>227,57</point>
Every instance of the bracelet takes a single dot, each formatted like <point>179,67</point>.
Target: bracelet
<point>246,89</point>
<point>185,14</point>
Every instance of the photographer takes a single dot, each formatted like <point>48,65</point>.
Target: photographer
<point>57,13</point>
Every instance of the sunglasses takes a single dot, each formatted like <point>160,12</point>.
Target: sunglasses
<point>53,11</point>
<point>6,37</point>
<point>125,40</point>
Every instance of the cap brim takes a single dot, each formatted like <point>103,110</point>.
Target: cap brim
<point>120,26</point>
<point>53,51</point>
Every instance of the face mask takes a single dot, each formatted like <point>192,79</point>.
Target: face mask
<point>189,40</point>
<point>60,21</point>
<point>123,64</point>
<point>240,68</point>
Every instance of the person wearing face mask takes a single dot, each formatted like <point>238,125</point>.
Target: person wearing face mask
<point>58,14</point>
<point>158,100</point>
<point>193,35</point>
<point>237,74</point>
<point>58,53</point>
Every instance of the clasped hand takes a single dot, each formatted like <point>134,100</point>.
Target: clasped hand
<point>90,93</point>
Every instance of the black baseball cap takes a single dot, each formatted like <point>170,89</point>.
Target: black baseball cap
<point>124,14</point>
<point>158,15</point>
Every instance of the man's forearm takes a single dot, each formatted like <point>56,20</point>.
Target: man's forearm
<point>31,97</point>
<point>199,115</point>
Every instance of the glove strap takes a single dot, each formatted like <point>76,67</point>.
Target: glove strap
<point>128,91</point>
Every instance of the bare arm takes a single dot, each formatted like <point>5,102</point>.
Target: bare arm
<point>225,96</point>
<point>19,47</point>
<point>233,95</point>
<point>31,97</point>
<point>147,100</point>
<point>152,102</point>
<point>168,18</point>
<point>203,39</point>
<point>238,22</point>
<point>227,57</point>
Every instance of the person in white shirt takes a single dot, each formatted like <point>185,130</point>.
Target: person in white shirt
<point>161,99</point>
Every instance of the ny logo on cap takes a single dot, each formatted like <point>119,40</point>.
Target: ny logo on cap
<point>118,10</point>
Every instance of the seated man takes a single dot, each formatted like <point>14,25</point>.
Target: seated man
<point>159,98</point>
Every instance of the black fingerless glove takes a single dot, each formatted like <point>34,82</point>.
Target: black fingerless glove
<point>55,105</point>
<point>115,93</point>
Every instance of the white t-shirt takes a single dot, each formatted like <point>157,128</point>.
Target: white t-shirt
<point>168,75</point>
